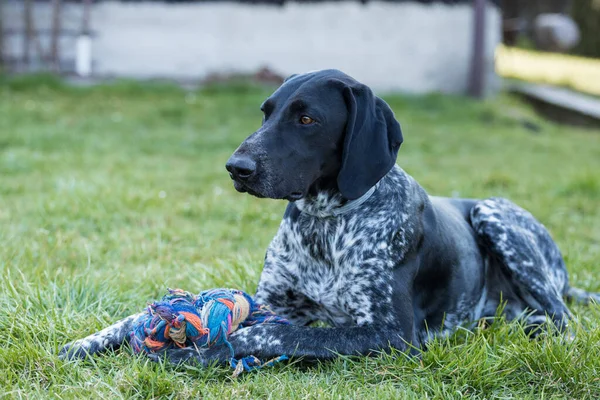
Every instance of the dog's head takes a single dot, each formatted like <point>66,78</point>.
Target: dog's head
<point>320,130</point>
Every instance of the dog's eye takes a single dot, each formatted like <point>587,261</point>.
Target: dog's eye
<point>306,120</point>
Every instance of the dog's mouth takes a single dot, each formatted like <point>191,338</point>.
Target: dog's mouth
<point>244,188</point>
<point>240,187</point>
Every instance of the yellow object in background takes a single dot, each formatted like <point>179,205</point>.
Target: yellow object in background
<point>579,73</point>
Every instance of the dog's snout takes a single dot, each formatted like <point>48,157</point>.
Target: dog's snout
<point>240,167</point>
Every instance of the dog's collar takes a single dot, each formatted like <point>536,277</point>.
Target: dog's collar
<point>347,207</point>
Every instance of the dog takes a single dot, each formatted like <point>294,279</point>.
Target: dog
<point>363,247</point>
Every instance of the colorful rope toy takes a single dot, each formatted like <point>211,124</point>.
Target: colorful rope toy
<point>182,319</point>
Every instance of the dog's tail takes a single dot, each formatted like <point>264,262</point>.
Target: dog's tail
<point>581,296</point>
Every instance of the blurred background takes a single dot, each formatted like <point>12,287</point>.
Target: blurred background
<point>411,46</point>
<point>117,118</point>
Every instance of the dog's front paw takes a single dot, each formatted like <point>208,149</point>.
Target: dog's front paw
<point>94,344</point>
<point>108,338</point>
<point>79,349</point>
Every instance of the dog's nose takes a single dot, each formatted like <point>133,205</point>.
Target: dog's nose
<point>240,167</point>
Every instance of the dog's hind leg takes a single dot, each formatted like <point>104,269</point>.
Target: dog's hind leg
<point>108,338</point>
<point>528,257</point>
<point>581,296</point>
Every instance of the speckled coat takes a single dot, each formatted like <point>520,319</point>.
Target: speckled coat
<point>393,272</point>
<point>362,247</point>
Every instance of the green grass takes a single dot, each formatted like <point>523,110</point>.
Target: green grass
<point>110,194</point>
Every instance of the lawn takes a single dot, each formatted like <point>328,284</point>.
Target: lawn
<point>110,194</point>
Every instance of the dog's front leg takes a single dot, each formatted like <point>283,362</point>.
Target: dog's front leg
<point>108,338</point>
<point>268,341</point>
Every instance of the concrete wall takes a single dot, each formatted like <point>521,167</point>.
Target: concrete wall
<point>391,46</point>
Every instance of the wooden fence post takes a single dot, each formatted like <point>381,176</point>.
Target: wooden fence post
<point>55,39</point>
<point>477,73</point>
<point>28,34</point>
<point>2,59</point>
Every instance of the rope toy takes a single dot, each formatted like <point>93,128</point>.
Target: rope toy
<point>182,319</point>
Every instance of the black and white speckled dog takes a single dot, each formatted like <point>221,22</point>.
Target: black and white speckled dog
<point>362,246</point>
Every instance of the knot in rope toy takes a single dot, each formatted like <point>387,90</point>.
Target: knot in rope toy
<point>182,319</point>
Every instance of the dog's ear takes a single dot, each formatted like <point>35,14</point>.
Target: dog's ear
<point>292,76</point>
<point>373,137</point>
